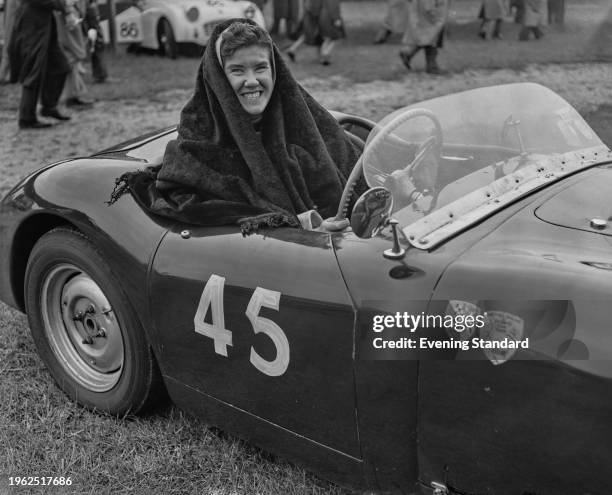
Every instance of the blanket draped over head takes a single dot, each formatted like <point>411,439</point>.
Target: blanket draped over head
<point>221,170</point>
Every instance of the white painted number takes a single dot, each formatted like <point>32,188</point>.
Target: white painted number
<point>268,299</point>
<point>128,30</point>
<point>212,297</point>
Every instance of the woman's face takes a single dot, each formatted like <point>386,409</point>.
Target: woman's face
<point>250,74</point>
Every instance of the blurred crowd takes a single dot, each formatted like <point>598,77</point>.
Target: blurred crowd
<point>421,23</point>
<point>48,44</point>
<point>316,23</point>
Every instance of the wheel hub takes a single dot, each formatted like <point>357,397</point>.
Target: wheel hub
<point>82,328</point>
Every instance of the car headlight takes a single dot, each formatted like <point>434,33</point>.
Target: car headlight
<point>192,14</point>
<point>250,12</point>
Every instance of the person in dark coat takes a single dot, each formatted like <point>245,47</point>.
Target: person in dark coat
<point>253,147</point>
<point>10,8</point>
<point>322,26</point>
<point>556,12</point>
<point>37,60</point>
<point>91,26</point>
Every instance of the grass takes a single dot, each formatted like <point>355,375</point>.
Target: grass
<point>43,433</point>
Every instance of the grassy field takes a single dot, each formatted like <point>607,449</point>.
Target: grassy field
<point>42,433</point>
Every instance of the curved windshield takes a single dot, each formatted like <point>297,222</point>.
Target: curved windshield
<point>451,160</point>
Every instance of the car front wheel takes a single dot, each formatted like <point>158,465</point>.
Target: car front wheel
<point>167,42</point>
<point>84,328</point>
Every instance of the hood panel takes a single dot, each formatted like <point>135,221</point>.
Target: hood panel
<point>575,206</point>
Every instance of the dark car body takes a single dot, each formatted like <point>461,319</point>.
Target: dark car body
<point>440,421</point>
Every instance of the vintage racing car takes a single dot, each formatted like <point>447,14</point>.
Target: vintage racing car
<point>454,339</point>
<point>166,25</point>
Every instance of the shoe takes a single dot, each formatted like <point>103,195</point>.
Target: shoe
<point>77,102</point>
<point>33,124</point>
<point>54,112</point>
<point>406,58</point>
<point>106,80</point>
<point>382,36</point>
<point>436,71</point>
<point>291,55</point>
<point>323,60</point>
<point>431,65</point>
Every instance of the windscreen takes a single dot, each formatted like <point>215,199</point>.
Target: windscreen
<point>437,152</point>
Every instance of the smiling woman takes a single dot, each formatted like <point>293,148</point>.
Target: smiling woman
<point>245,53</point>
<point>253,147</point>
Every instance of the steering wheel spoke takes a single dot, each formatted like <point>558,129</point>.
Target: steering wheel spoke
<point>403,183</point>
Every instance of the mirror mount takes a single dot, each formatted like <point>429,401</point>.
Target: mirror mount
<point>397,252</point>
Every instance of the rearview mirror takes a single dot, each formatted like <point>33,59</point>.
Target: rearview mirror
<point>371,212</point>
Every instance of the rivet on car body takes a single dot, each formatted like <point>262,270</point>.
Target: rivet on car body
<point>186,234</point>
<point>598,223</point>
<point>439,488</point>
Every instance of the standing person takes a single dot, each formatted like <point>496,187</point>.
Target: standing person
<point>10,8</point>
<point>322,25</point>
<point>72,42</point>
<point>37,61</point>
<point>394,21</point>
<point>518,6</point>
<point>492,14</point>
<point>425,29</point>
<point>95,41</point>
<point>287,18</point>
<point>556,12</point>
<point>534,17</point>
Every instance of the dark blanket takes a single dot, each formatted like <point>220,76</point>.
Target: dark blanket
<point>221,170</point>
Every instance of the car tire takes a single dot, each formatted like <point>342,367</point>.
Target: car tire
<point>84,328</point>
<point>166,39</point>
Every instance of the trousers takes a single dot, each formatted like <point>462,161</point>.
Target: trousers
<point>49,90</point>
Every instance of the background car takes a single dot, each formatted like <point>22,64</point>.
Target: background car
<point>165,25</point>
<point>498,213</point>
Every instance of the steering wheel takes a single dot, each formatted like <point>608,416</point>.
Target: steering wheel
<point>404,177</point>
<point>348,122</point>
